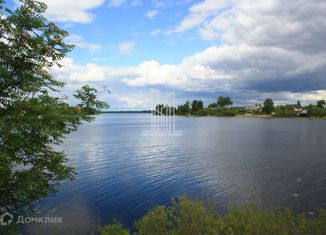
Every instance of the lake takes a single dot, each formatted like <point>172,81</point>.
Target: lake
<point>228,161</point>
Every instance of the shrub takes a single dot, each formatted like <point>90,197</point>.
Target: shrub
<point>192,217</point>
<point>113,229</point>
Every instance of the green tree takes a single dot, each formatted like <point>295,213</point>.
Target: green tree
<point>212,106</point>
<point>321,103</point>
<point>314,111</point>
<point>197,105</point>
<point>89,103</point>
<point>268,106</point>
<point>32,121</point>
<point>184,109</point>
<point>200,105</point>
<point>224,101</point>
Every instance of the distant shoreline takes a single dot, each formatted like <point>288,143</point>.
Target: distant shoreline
<point>141,111</point>
<point>257,116</point>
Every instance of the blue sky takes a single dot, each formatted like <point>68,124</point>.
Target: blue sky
<point>198,49</point>
<point>115,25</point>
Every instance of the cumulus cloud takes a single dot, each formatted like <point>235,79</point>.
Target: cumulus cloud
<point>269,48</point>
<point>82,43</point>
<point>74,73</point>
<point>266,45</point>
<point>71,11</point>
<point>293,25</point>
<point>126,47</point>
<point>131,101</point>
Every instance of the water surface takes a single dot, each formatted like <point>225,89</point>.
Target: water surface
<point>228,161</point>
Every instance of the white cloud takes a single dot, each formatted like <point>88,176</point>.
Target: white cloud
<point>294,25</point>
<point>126,47</point>
<point>155,32</point>
<point>270,48</point>
<point>82,43</point>
<point>151,14</point>
<point>116,3</point>
<point>308,97</point>
<point>119,3</point>
<point>131,101</point>
<point>71,11</point>
<point>74,73</point>
<point>217,69</point>
<point>199,13</point>
<point>71,72</point>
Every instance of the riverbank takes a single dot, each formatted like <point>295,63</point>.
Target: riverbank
<point>185,216</point>
<point>259,116</point>
<point>254,116</point>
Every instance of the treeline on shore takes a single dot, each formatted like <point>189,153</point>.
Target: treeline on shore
<point>224,107</point>
<point>186,216</point>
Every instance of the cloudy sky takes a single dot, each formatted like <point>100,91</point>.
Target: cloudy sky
<point>198,49</point>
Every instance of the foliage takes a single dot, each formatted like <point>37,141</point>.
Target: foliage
<point>162,109</point>
<point>113,229</point>
<point>185,217</point>
<point>268,106</point>
<point>321,103</point>
<point>315,111</point>
<point>286,111</point>
<point>212,106</point>
<point>88,96</point>
<point>31,120</point>
<point>224,101</point>
<point>184,109</point>
<point>197,105</point>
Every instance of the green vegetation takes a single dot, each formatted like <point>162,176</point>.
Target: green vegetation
<point>220,108</point>
<point>268,107</point>
<point>114,229</point>
<point>196,106</point>
<point>32,120</point>
<point>315,111</point>
<point>89,103</point>
<point>321,103</point>
<point>224,101</point>
<point>223,107</point>
<point>185,217</point>
<point>286,111</point>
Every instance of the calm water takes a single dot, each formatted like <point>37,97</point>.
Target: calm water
<point>122,174</point>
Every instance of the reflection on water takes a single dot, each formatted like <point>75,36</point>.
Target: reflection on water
<point>122,174</point>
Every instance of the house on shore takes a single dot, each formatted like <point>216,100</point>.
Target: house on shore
<point>254,109</point>
<point>303,113</point>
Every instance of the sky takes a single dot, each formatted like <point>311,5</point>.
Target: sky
<point>195,49</point>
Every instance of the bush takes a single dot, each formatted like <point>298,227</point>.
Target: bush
<point>285,112</point>
<point>314,111</point>
<point>229,113</point>
<point>191,217</point>
<point>113,229</point>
